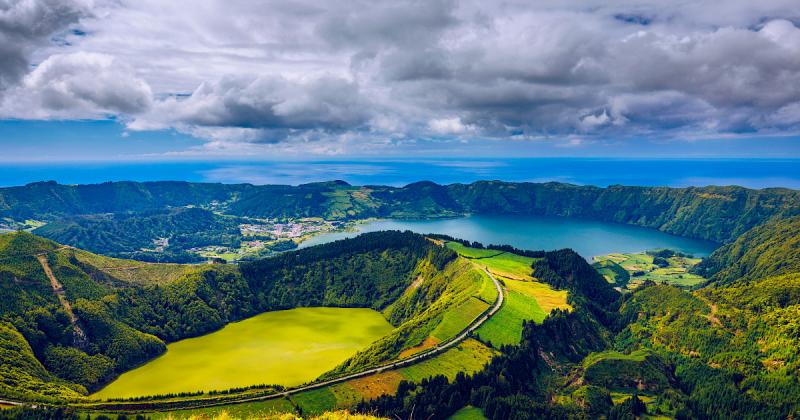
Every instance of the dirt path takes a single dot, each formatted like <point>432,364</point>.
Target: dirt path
<point>712,316</point>
<point>58,289</point>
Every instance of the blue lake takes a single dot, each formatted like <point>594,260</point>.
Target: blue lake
<point>588,238</point>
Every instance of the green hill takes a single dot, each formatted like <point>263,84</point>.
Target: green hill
<point>726,350</point>
<point>715,213</point>
<point>766,250</point>
<point>125,233</point>
<point>107,315</point>
<point>639,370</point>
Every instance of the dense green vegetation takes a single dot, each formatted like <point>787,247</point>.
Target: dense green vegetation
<point>767,250</point>
<point>715,213</point>
<point>124,235</point>
<point>723,351</point>
<point>123,321</point>
<point>641,369</point>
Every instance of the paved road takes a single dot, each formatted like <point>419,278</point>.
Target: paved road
<point>440,348</point>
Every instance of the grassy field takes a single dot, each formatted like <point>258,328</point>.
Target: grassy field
<point>640,268</point>
<point>525,299</point>
<point>283,347</point>
<point>316,401</point>
<point>469,252</point>
<point>469,357</point>
<point>499,263</point>
<point>455,319</point>
<point>505,327</point>
<point>546,297</point>
<point>468,413</point>
<point>612,272</point>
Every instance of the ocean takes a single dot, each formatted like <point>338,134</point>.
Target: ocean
<point>752,173</point>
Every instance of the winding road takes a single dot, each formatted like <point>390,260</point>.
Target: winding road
<point>439,348</point>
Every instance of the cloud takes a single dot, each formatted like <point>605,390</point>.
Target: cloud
<point>450,126</point>
<point>78,85</point>
<point>262,109</point>
<point>337,75</point>
<point>26,25</point>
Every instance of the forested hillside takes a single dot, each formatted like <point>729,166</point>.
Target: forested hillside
<point>114,315</point>
<point>117,234</point>
<point>728,350</point>
<point>46,200</point>
<point>714,213</point>
<point>767,250</point>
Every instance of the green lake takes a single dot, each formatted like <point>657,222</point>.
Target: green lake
<point>283,347</point>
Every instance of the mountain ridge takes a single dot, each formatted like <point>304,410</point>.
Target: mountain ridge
<point>713,213</point>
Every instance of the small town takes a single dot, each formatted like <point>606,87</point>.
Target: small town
<point>269,236</point>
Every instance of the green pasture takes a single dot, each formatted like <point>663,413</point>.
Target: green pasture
<point>640,268</point>
<point>468,413</point>
<point>500,263</point>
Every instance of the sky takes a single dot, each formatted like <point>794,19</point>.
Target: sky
<point>154,80</point>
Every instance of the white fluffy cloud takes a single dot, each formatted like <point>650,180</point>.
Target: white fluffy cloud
<point>26,25</point>
<point>78,85</point>
<point>302,71</point>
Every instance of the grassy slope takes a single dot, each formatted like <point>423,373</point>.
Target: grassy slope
<point>499,263</point>
<point>640,369</point>
<point>468,413</point>
<point>767,250</point>
<point>612,271</point>
<point>526,300</point>
<point>469,356</point>
<point>136,272</point>
<point>438,305</point>
<point>24,377</point>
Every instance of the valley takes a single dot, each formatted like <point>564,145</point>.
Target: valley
<point>392,322</point>
<point>665,266</point>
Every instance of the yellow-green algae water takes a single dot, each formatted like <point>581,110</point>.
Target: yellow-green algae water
<point>283,347</point>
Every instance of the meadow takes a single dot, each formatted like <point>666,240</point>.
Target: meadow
<point>468,357</point>
<point>640,267</point>
<point>283,347</point>
<point>468,413</point>
<point>526,299</point>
